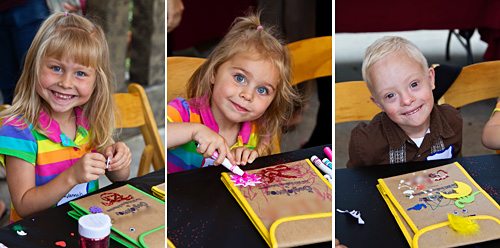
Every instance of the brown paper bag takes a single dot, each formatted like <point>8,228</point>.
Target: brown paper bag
<point>292,207</point>
<point>137,218</point>
<point>416,201</point>
<point>159,191</point>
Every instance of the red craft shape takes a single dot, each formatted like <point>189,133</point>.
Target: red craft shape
<point>111,198</point>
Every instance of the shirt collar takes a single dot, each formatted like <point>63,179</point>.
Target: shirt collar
<point>54,132</point>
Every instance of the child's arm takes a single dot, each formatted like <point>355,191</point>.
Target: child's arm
<point>244,155</point>
<point>179,133</point>
<point>29,199</point>
<point>491,132</point>
<point>120,159</point>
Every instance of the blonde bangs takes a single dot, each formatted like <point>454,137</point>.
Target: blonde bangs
<point>76,44</point>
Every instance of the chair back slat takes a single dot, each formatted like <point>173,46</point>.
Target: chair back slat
<point>352,102</point>
<point>312,58</point>
<point>475,83</point>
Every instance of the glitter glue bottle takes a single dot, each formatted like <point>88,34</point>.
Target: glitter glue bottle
<point>94,230</point>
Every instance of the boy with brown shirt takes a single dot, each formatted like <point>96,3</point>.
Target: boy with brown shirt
<point>410,127</point>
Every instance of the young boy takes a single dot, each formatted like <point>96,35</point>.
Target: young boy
<point>410,127</point>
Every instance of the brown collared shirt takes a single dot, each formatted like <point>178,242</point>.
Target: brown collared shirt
<point>382,141</point>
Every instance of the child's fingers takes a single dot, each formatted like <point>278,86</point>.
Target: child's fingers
<point>209,152</point>
<point>222,155</point>
<point>230,156</point>
<point>237,153</point>
<point>253,156</point>
<point>121,160</point>
<point>245,155</point>
<point>108,151</point>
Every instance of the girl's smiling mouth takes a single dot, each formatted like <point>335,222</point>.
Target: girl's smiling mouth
<point>239,107</point>
<point>62,96</point>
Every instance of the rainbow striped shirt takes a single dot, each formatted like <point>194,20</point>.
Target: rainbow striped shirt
<point>51,154</point>
<point>185,157</point>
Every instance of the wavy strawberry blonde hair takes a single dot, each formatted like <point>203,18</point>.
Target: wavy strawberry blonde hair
<point>79,39</point>
<point>248,34</point>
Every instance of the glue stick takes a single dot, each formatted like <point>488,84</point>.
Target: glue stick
<point>94,230</point>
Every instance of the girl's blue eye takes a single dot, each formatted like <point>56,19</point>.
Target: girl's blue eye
<point>240,78</point>
<point>414,84</point>
<point>262,90</point>
<point>80,74</point>
<point>390,96</point>
<point>56,68</point>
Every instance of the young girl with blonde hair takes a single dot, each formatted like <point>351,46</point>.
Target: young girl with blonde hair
<point>238,99</point>
<point>56,137</point>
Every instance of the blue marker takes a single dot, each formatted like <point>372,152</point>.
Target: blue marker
<point>327,163</point>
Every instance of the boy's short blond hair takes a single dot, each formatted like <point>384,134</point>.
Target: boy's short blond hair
<point>385,46</point>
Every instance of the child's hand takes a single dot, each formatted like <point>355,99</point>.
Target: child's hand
<point>88,168</point>
<point>120,156</point>
<point>209,142</point>
<point>244,155</point>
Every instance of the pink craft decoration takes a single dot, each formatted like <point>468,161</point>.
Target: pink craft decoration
<point>245,180</point>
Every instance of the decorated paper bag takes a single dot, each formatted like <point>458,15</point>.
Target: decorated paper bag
<point>159,191</point>
<point>291,207</point>
<point>137,218</point>
<point>441,207</point>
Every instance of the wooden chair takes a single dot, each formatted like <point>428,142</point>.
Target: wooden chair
<point>135,111</point>
<point>475,83</point>
<point>312,58</point>
<point>352,102</point>
<point>179,70</point>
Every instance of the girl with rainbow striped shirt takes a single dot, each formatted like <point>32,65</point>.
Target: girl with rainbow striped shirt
<point>237,99</point>
<point>57,135</point>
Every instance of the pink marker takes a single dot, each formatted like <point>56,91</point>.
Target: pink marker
<point>316,161</point>
<point>328,152</point>
<point>233,168</point>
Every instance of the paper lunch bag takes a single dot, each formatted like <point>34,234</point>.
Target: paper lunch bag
<point>137,218</point>
<point>292,207</point>
<point>417,201</point>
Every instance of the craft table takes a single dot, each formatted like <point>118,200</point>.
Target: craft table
<point>54,225</point>
<point>201,212</point>
<point>355,189</point>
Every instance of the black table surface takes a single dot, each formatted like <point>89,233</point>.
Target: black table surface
<point>355,189</point>
<point>54,224</point>
<point>202,213</point>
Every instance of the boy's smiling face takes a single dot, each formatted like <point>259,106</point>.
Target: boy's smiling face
<point>403,89</point>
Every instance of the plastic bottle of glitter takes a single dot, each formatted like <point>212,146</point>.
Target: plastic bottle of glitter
<point>94,230</point>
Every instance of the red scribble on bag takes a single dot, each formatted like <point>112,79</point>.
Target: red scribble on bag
<point>268,175</point>
<point>111,198</point>
<point>437,176</point>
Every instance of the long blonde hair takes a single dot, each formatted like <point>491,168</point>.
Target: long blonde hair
<point>248,34</point>
<point>75,37</point>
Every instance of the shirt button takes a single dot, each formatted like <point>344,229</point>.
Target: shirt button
<point>418,156</point>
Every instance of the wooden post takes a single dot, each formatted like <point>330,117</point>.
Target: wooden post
<point>147,54</point>
<point>112,15</point>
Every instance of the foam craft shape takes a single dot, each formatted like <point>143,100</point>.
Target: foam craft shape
<point>462,190</point>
